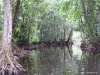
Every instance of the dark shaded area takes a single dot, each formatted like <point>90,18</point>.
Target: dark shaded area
<point>95,48</point>
<point>35,45</point>
<point>26,48</point>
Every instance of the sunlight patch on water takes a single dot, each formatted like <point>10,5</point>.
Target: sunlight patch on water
<point>77,42</point>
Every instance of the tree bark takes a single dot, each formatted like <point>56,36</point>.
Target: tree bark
<point>8,63</point>
<point>7,31</point>
<point>64,32</point>
<point>70,34</point>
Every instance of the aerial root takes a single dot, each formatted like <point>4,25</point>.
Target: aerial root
<point>8,64</point>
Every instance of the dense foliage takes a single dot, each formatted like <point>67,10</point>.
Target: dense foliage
<point>44,22</point>
<point>52,20</point>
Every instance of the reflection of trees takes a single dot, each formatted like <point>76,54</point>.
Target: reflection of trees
<point>26,63</point>
<point>59,61</point>
<point>89,64</point>
<point>55,61</point>
<point>98,66</point>
<point>51,61</point>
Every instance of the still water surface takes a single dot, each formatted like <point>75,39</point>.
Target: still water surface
<point>61,61</point>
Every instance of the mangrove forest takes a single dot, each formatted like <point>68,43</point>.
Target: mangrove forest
<point>49,37</point>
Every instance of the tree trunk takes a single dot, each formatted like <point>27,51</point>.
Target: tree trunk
<point>8,63</point>
<point>70,34</point>
<point>86,22</point>
<point>16,13</point>
<point>64,29</point>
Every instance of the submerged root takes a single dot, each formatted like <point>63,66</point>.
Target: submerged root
<point>8,64</point>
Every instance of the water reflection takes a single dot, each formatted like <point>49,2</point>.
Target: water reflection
<point>61,61</point>
<point>89,64</point>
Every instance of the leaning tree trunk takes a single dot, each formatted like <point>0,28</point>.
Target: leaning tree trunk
<point>8,63</point>
<point>86,22</point>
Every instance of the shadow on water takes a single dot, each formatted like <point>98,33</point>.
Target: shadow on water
<point>61,61</point>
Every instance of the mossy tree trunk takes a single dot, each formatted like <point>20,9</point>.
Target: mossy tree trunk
<point>8,63</point>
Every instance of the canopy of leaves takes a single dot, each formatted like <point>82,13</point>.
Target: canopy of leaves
<point>46,20</point>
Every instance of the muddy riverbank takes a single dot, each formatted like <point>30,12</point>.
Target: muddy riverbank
<point>25,49</point>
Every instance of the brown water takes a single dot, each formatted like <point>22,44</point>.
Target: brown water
<point>61,61</point>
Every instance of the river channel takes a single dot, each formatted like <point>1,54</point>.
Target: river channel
<point>66,60</point>
<point>61,61</point>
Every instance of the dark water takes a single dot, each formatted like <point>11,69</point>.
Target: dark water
<point>61,61</point>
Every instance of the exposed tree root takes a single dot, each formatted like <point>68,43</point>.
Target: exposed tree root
<point>8,64</point>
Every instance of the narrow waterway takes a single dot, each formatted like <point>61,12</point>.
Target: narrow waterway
<point>61,61</point>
